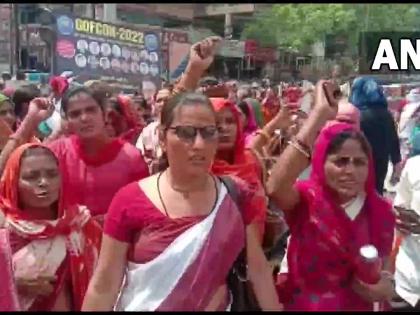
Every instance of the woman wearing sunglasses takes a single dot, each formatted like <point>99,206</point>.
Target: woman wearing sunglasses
<point>175,235</point>
<point>331,216</point>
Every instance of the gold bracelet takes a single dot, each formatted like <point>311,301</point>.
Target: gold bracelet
<point>298,147</point>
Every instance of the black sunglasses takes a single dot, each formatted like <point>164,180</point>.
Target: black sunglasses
<point>189,133</point>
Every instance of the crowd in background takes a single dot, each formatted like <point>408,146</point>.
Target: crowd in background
<point>209,195</point>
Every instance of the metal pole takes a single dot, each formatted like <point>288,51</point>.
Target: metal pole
<point>27,46</point>
<point>17,35</point>
<point>93,8</point>
<point>11,39</point>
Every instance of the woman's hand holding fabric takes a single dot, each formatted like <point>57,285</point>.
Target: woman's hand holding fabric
<point>42,286</point>
<point>381,291</point>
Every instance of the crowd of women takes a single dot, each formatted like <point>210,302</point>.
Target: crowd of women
<point>222,198</point>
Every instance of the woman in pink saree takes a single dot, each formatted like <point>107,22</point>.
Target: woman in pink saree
<point>331,216</point>
<point>170,240</point>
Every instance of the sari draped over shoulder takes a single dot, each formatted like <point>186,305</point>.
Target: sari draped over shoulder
<point>8,294</point>
<point>66,248</point>
<point>245,165</point>
<point>191,269</point>
<point>325,242</point>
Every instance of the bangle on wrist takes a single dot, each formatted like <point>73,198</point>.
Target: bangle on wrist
<point>307,147</point>
<point>298,146</point>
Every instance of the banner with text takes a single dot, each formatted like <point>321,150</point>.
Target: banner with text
<point>91,49</point>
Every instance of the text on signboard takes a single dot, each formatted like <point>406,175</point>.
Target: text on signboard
<point>107,30</point>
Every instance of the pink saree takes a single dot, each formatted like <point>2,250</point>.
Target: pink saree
<point>325,242</point>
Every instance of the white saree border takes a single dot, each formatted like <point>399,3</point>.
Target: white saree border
<point>147,286</point>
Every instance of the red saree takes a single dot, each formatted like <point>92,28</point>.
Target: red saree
<point>128,118</point>
<point>245,166</point>
<point>8,294</point>
<point>94,180</point>
<point>66,248</point>
<point>325,242</point>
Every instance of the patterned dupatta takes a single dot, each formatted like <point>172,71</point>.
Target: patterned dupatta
<point>8,293</point>
<point>69,244</point>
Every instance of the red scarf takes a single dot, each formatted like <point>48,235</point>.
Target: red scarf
<point>107,154</point>
<point>244,166</point>
<point>127,124</point>
<point>80,264</point>
<point>329,220</point>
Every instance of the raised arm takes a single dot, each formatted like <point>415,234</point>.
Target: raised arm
<point>39,110</point>
<point>105,284</point>
<point>201,57</point>
<point>281,121</point>
<point>294,159</point>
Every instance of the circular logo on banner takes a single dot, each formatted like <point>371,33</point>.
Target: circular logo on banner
<point>66,49</point>
<point>65,25</point>
<point>151,42</point>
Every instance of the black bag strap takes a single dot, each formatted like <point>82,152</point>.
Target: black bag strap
<point>240,265</point>
<point>232,191</point>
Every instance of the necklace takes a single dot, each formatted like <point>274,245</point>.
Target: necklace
<point>160,194</point>
<point>185,193</point>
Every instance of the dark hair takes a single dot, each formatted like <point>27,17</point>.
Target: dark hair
<point>115,105</point>
<point>20,75</point>
<point>243,106</point>
<point>141,101</point>
<point>208,81</point>
<point>99,95</point>
<point>24,95</point>
<point>336,144</point>
<point>38,150</point>
<point>168,113</point>
<point>6,76</point>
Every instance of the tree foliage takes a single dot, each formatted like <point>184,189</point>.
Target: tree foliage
<point>300,25</point>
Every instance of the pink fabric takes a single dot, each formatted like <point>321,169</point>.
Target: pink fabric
<point>325,242</point>
<point>251,127</point>
<point>8,297</point>
<point>348,113</point>
<point>94,185</point>
<point>132,217</point>
<point>209,271</point>
<point>132,214</point>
